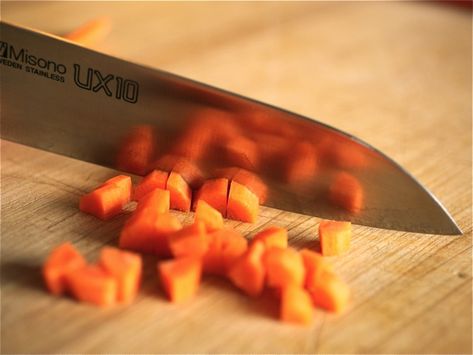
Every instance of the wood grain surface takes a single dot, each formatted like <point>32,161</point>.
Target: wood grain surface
<point>397,75</point>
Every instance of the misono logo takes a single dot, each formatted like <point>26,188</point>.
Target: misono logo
<point>22,55</point>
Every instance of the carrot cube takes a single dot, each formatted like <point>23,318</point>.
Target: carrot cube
<point>156,201</point>
<point>209,216</point>
<point>272,237</point>
<point>63,260</point>
<point>155,179</point>
<point>214,192</point>
<point>181,193</point>
<point>93,284</point>
<point>242,204</point>
<point>125,267</point>
<point>334,237</point>
<point>315,265</point>
<point>284,267</point>
<point>180,277</point>
<point>330,292</point>
<point>189,241</point>
<point>296,305</point>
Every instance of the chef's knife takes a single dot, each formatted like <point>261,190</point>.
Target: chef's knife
<point>67,99</point>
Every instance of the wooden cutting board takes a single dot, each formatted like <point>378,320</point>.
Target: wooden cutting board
<point>397,75</point>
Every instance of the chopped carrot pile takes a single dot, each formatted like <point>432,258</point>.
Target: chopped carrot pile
<point>248,272</point>
<point>214,192</point>
<point>155,179</point>
<point>242,204</point>
<point>296,305</point>
<point>209,216</point>
<point>63,260</point>
<point>272,237</point>
<point>181,193</point>
<point>346,192</point>
<point>125,267</point>
<point>334,237</point>
<point>328,291</point>
<point>93,284</point>
<point>189,241</point>
<point>284,267</point>
<point>180,277</point>
<point>107,200</point>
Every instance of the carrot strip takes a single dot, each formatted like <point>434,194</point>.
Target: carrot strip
<point>346,192</point>
<point>225,247</point>
<point>147,232</point>
<point>181,193</point>
<point>296,305</point>
<point>284,267</point>
<point>137,150</point>
<point>63,260</point>
<point>180,278</point>
<point>315,265</point>
<point>189,241</point>
<point>92,32</point>
<point>125,267</point>
<point>272,237</point>
<point>209,216</point>
<point>242,204</point>
<point>248,271</point>
<point>330,292</point>
<point>94,285</point>
<point>214,192</point>
<point>334,237</point>
<point>155,179</point>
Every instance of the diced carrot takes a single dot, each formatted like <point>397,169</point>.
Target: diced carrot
<point>334,237</point>
<point>209,216</point>
<point>315,265</point>
<point>155,179</point>
<point>248,272</point>
<point>301,165</point>
<point>92,32</point>
<point>214,192</point>
<point>242,204</point>
<point>225,247</point>
<point>180,277</point>
<point>346,192</point>
<point>189,241</point>
<point>181,193</point>
<point>244,177</point>
<point>125,267</point>
<point>189,171</point>
<point>147,232</point>
<point>284,267</point>
<point>330,292</point>
<point>93,284</point>
<point>107,200</point>
<point>296,305</point>
<point>156,201</point>
<point>272,237</point>
<point>63,260</point>
<point>242,152</point>
<point>137,150</point>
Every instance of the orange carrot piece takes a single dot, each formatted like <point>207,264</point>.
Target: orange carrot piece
<point>156,201</point>
<point>147,232</point>
<point>107,200</point>
<point>346,192</point>
<point>189,171</point>
<point>209,216</point>
<point>180,277</point>
<point>315,265</point>
<point>248,272</point>
<point>137,150</point>
<point>242,204</point>
<point>181,193</point>
<point>244,177</point>
<point>214,192</point>
<point>296,305</point>
<point>272,237</point>
<point>63,260</point>
<point>125,267</point>
<point>334,237</point>
<point>330,292</point>
<point>284,267</point>
<point>225,247</point>
<point>242,152</point>
<point>92,32</point>
<point>155,179</point>
<point>93,284</point>
<point>189,241</point>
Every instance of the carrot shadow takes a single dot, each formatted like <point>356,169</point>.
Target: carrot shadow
<point>313,245</point>
<point>23,274</point>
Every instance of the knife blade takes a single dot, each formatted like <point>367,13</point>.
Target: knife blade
<point>70,100</point>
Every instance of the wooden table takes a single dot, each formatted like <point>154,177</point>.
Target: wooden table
<point>397,75</point>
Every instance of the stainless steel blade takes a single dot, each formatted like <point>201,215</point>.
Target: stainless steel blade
<point>70,100</point>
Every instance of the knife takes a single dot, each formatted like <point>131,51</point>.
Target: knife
<point>67,99</point>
